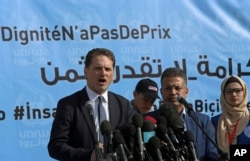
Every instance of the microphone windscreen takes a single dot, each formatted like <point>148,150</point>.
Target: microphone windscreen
<point>181,100</point>
<point>148,130</point>
<point>150,118</point>
<point>137,120</point>
<point>161,129</point>
<point>188,136</point>
<point>117,140</point>
<point>161,120</point>
<point>185,103</point>
<point>105,127</point>
<point>171,114</point>
<point>116,132</point>
<point>128,130</point>
<point>89,106</point>
<point>154,142</point>
<point>148,126</point>
<point>167,110</point>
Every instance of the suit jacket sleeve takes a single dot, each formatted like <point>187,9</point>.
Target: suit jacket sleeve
<point>66,142</point>
<point>206,150</point>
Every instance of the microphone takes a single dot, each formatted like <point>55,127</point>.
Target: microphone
<point>118,143</point>
<point>148,130</point>
<point>150,118</point>
<point>173,136</point>
<point>185,103</point>
<point>137,120</point>
<point>162,133</point>
<point>129,132</point>
<point>172,116</point>
<point>89,106</point>
<point>107,136</point>
<point>161,120</point>
<point>154,144</point>
<point>171,152</point>
<point>189,138</point>
<point>175,128</point>
<point>117,131</point>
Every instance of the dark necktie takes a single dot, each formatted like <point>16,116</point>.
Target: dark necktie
<point>101,116</point>
<point>101,111</point>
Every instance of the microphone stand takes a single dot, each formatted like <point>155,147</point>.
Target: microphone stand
<point>147,155</point>
<point>223,156</point>
<point>98,153</point>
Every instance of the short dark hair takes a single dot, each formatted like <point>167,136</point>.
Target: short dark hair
<point>174,72</point>
<point>98,51</point>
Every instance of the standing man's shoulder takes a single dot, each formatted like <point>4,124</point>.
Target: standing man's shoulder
<point>120,105</point>
<point>201,115</point>
<point>112,96</point>
<point>215,120</point>
<point>202,118</point>
<point>116,100</point>
<point>74,96</point>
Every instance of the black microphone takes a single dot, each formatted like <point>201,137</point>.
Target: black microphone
<point>173,117</point>
<point>185,103</point>
<point>89,106</point>
<point>129,133</point>
<point>162,133</point>
<point>175,124</point>
<point>178,144</point>
<point>148,130</point>
<point>171,152</point>
<point>161,120</point>
<point>137,120</point>
<point>118,143</point>
<point>107,136</point>
<point>154,144</point>
<point>173,136</point>
<point>117,131</point>
<point>189,138</point>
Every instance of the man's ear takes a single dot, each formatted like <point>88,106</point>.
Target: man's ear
<point>134,93</point>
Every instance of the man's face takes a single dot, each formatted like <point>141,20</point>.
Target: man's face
<point>172,87</point>
<point>99,74</point>
<point>142,103</point>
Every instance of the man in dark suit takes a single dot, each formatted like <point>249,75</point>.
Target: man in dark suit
<point>174,84</point>
<point>75,135</point>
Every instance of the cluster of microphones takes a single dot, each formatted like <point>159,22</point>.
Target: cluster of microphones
<point>148,138</point>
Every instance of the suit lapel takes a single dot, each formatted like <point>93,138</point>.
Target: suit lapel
<point>86,115</point>
<point>191,125</point>
<point>114,111</point>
